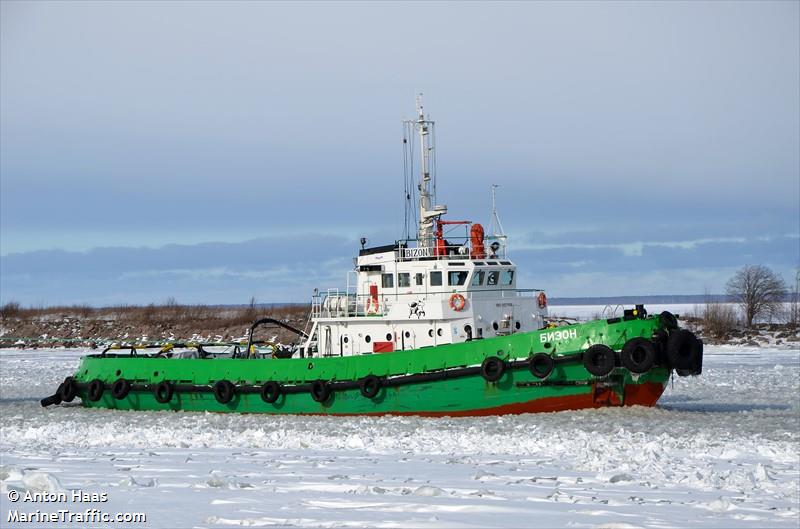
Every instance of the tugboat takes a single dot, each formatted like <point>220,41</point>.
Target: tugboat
<point>428,326</point>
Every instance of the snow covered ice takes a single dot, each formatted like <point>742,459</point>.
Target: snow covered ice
<point>720,450</point>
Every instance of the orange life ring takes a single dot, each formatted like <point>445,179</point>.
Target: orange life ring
<point>542,299</point>
<point>457,302</point>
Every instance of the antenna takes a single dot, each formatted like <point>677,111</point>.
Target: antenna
<point>495,228</point>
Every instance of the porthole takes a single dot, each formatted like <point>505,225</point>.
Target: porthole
<point>346,339</point>
<point>439,332</point>
<point>368,338</point>
<point>118,372</point>
<point>517,325</point>
<point>430,333</point>
<point>388,337</point>
<point>155,373</point>
<point>408,334</point>
<point>494,325</point>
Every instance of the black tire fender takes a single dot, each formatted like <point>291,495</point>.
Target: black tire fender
<point>685,353</point>
<point>271,391</point>
<point>638,355</point>
<point>68,390</point>
<point>224,390</point>
<point>492,369</point>
<point>682,348</point>
<point>599,360</point>
<point>120,388</point>
<point>668,320</point>
<point>95,390</point>
<point>370,386</point>
<point>542,365</point>
<point>320,390</point>
<point>52,399</point>
<point>697,366</point>
<point>163,391</point>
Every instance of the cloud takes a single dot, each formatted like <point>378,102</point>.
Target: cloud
<point>287,269</point>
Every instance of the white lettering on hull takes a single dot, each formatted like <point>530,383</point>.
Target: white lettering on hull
<point>555,336</point>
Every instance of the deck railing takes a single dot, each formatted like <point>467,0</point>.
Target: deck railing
<point>337,303</point>
<point>456,248</point>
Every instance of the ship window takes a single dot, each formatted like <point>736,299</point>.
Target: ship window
<point>478,263</point>
<point>492,279</point>
<point>368,338</point>
<point>436,279</point>
<point>439,332</point>
<point>418,279</point>
<point>506,262</point>
<point>491,262</point>
<point>388,337</point>
<point>387,280</point>
<point>507,277</point>
<point>457,278</point>
<point>477,279</point>
<point>403,280</point>
<point>430,333</point>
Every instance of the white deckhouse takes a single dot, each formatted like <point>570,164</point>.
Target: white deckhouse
<point>426,291</point>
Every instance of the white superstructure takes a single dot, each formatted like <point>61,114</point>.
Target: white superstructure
<point>426,291</point>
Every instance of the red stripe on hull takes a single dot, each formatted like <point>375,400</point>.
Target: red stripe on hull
<point>646,394</point>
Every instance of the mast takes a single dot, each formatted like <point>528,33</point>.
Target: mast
<point>495,228</point>
<point>427,212</point>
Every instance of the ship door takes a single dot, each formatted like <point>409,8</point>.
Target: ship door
<point>408,339</point>
<point>345,345</point>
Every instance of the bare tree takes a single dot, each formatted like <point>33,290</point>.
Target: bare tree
<point>759,291</point>
<point>794,304</point>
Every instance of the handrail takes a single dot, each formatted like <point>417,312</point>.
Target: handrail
<point>353,305</point>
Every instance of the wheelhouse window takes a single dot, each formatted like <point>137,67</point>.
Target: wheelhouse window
<point>403,280</point>
<point>436,279</point>
<point>458,278</point>
<point>493,277</point>
<point>387,280</point>
<point>507,277</point>
<point>418,278</point>
<point>477,279</point>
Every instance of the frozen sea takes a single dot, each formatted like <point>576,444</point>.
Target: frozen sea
<point>720,450</point>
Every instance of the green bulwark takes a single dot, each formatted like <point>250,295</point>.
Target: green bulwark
<point>434,381</point>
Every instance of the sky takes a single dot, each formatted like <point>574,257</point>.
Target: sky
<point>213,152</point>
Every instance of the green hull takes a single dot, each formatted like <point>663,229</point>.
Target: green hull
<point>447,379</point>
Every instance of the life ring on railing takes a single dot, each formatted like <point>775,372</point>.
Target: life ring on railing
<point>542,299</point>
<point>457,302</point>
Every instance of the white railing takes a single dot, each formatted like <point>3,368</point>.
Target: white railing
<point>335,303</point>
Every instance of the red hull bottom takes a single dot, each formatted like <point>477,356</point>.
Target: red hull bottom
<point>646,394</point>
